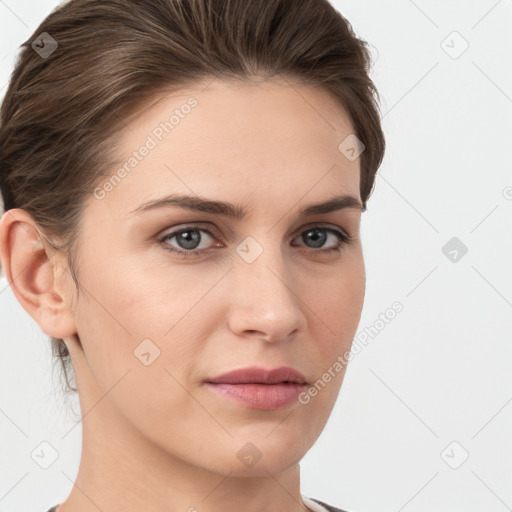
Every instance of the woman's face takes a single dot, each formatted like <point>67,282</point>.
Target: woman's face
<point>259,289</point>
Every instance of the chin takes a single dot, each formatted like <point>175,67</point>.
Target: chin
<point>253,455</point>
<point>265,455</point>
<point>273,465</point>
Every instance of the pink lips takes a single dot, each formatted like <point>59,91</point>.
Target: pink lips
<point>260,388</point>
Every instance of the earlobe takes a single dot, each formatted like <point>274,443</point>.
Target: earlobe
<point>35,273</point>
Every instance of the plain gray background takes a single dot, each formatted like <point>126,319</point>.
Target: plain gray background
<point>424,417</point>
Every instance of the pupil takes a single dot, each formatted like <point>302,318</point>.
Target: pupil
<point>319,240</point>
<point>190,242</point>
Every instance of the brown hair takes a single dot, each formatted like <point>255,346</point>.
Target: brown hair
<point>62,109</point>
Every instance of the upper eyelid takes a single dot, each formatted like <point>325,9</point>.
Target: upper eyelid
<point>202,226</point>
<point>167,235</point>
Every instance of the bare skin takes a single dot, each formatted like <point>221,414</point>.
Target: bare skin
<point>155,438</point>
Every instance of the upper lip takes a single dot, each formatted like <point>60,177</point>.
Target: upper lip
<point>259,375</point>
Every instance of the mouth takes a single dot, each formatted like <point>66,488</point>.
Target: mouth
<point>259,388</point>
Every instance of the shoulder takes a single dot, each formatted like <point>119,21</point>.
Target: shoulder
<point>314,503</point>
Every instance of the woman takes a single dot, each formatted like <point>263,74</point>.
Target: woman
<point>183,182</point>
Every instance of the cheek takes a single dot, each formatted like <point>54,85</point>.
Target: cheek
<point>112,320</point>
<point>141,370</point>
<point>335,314</point>
<point>333,321</point>
<point>131,314</point>
<point>338,300</point>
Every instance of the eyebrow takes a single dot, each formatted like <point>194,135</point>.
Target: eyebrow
<point>194,203</point>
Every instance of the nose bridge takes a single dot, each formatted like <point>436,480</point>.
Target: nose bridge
<point>264,299</point>
<point>262,264</point>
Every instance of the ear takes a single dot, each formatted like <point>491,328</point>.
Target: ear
<point>37,273</point>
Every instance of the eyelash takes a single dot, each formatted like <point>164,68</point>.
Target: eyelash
<point>343,239</point>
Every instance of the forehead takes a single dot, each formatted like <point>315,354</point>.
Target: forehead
<point>228,138</point>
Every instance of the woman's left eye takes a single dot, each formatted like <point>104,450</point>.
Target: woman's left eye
<point>189,240</point>
<point>311,234</point>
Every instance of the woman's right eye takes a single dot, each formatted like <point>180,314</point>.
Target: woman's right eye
<point>189,240</point>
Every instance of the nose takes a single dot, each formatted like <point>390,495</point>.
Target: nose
<point>265,299</point>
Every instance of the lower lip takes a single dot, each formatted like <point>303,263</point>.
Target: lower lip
<point>260,396</point>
